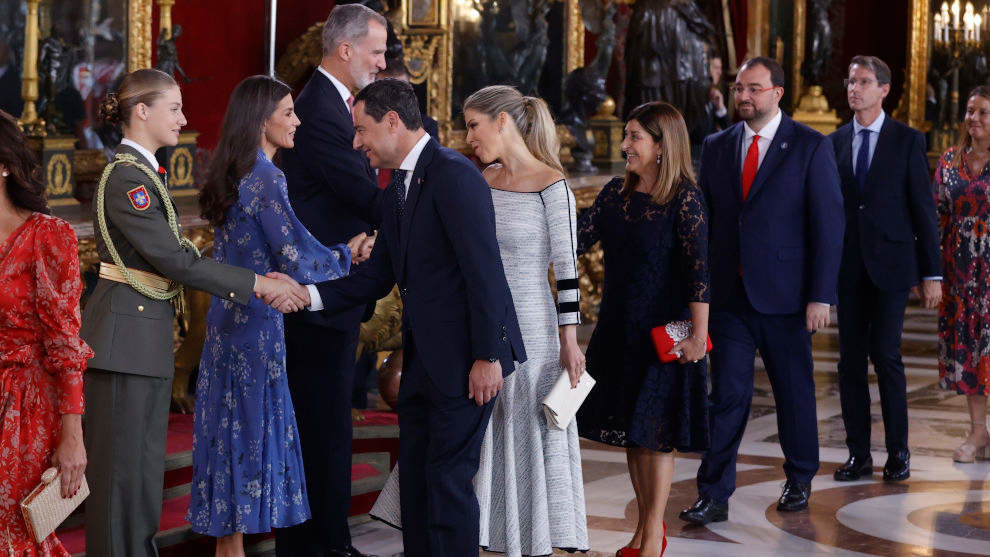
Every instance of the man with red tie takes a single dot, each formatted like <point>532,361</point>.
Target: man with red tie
<point>776,224</point>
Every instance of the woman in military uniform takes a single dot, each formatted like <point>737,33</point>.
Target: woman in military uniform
<point>144,263</point>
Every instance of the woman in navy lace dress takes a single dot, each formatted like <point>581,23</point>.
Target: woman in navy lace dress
<point>247,462</point>
<point>654,233</point>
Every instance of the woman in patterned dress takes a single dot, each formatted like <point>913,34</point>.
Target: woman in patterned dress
<point>247,461</point>
<point>42,357</point>
<point>529,485</point>
<point>653,227</point>
<point>962,190</point>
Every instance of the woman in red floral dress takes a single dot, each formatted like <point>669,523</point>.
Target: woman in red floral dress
<point>962,190</point>
<point>41,355</point>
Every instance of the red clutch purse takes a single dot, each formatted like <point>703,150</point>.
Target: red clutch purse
<point>666,336</point>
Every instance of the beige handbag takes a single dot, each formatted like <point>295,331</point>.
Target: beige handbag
<point>44,508</point>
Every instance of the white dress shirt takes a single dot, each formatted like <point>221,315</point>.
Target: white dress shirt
<point>766,136</point>
<point>342,89</point>
<point>409,165</point>
<point>140,149</point>
<point>874,136</point>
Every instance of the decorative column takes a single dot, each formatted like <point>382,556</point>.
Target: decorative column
<point>165,16</point>
<point>29,121</point>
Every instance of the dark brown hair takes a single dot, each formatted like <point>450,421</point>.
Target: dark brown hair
<point>777,75</point>
<point>965,141</point>
<point>138,87</point>
<point>666,126</point>
<point>252,103</point>
<point>879,68</point>
<point>25,186</point>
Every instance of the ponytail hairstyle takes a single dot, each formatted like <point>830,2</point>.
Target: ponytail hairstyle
<point>138,87</point>
<point>530,115</point>
<point>252,103</point>
<point>666,126</point>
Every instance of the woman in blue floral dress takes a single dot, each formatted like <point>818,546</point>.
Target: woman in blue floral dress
<point>247,462</point>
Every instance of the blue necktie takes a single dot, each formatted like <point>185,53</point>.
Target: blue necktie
<point>398,182</point>
<point>863,158</point>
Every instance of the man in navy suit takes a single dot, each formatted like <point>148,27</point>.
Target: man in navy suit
<point>891,245</point>
<point>776,226</point>
<point>459,329</point>
<point>333,192</point>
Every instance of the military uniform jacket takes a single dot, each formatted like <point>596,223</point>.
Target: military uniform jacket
<point>129,332</point>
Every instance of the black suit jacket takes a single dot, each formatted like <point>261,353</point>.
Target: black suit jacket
<point>891,224</point>
<point>444,256</point>
<point>331,186</point>
<point>431,127</point>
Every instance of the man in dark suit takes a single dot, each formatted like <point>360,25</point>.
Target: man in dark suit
<point>332,190</point>
<point>459,329</point>
<point>776,239</point>
<point>891,245</point>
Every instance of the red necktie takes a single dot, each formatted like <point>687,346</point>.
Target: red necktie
<point>350,104</point>
<point>750,166</point>
<point>384,176</point>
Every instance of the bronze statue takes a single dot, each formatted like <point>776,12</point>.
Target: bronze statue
<point>52,71</point>
<point>522,64</point>
<point>666,56</point>
<point>819,43</point>
<point>168,55</point>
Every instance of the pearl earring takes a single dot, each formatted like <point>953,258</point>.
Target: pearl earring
<point>658,158</point>
<point>5,173</point>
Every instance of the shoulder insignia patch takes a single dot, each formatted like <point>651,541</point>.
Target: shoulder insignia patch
<point>139,198</point>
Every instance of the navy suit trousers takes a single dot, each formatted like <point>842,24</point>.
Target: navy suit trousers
<point>737,332</point>
<point>870,324</point>
<point>439,454</point>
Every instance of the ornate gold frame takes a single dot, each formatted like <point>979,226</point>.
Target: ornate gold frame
<point>139,36</point>
<point>911,108</point>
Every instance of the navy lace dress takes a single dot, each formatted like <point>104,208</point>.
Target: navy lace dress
<point>656,262</point>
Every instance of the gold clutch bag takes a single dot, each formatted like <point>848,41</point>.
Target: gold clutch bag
<point>44,508</point>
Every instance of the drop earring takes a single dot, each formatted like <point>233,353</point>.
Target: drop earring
<point>658,158</point>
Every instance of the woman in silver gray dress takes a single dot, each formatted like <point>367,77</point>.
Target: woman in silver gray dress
<point>530,487</point>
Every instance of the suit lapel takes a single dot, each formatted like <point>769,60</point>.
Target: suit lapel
<point>779,147</point>
<point>880,154</point>
<point>843,149</point>
<point>735,139</point>
<point>416,185</point>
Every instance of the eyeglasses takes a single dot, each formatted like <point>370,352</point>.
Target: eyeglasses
<point>863,83</point>
<point>753,90</point>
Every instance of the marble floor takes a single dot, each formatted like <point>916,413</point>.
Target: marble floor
<point>943,510</point>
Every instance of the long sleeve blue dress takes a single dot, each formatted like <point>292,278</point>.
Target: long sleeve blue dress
<point>247,462</point>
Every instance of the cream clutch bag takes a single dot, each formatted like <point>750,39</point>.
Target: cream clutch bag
<point>44,508</point>
<point>562,403</point>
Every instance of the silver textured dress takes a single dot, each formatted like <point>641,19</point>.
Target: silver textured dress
<point>529,486</point>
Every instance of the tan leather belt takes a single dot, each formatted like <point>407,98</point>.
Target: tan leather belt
<point>155,282</point>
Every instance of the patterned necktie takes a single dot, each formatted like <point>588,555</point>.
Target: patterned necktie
<point>863,158</point>
<point>398,182</point>
<point>751,165</point>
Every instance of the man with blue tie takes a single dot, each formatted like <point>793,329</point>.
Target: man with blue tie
<point>891,244</point>
<point>776,221</point>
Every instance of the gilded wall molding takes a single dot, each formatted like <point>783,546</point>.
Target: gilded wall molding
<point>911,108</point>
<point>574,46</point>
<point>139,36</point>
<point>798,45</point>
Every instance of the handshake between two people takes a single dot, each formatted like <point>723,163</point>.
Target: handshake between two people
<point>283,293</point>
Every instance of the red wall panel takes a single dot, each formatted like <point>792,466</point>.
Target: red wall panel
<point>224,41</point>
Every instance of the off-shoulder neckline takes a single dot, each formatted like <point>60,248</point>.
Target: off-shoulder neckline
<point>545,188</point>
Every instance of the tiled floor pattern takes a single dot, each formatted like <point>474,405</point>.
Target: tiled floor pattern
<point>943,510</point>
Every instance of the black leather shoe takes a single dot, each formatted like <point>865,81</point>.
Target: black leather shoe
<point>349,551</point>
<point>704,511</point>
<point>898,467</point>
<point>854,468</point>
<point>794,497</point>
